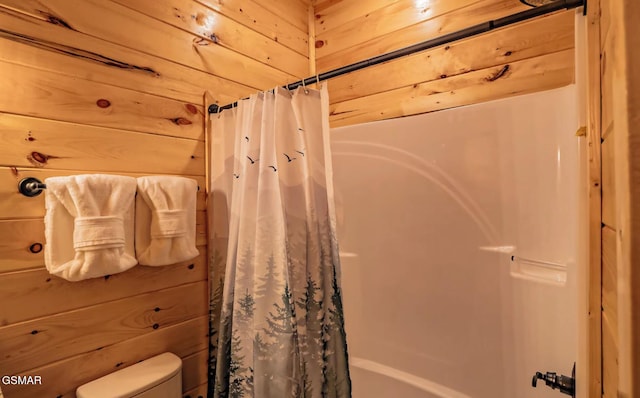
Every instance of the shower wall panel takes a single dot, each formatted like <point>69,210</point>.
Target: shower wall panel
<point>459,244</point>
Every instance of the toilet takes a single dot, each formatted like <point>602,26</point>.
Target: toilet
<point>157,377</point>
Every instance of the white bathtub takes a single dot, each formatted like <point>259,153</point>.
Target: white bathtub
<point>374,380</point>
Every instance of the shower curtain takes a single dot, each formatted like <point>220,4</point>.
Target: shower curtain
<point>277,325</point>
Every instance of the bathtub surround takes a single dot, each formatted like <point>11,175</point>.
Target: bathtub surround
<point>281,329</point>
<point>165,220</point>
<point>450,185</point>
<point>89,225</point>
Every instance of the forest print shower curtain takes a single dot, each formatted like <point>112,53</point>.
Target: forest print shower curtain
<point>277,325</point>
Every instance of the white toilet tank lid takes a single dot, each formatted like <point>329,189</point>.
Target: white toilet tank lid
<point>134,379</point>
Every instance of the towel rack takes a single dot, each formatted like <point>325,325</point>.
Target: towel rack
<point>31,186</point>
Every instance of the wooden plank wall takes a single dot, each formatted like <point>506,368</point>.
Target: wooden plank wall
<point>615,114</point>
<point>609,293</point>
<point>524,58</point>
<point>116,86</point>
<point>620,96</point>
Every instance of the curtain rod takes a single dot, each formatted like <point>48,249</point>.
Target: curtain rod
<point>438,41</point>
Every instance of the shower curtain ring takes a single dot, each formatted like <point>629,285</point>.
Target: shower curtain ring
<point>304,87</point>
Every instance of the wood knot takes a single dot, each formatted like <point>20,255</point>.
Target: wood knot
<point>52,19</point>
<point>200,41</point>
<point>155,326</point>
<point>35,248</point>
<point>498,74</point>
<point>38,158</point>
<point>319,43</point>
<point>508,53</point>
<point>191,109</point>
<point>103,103</point>
<point>190,266</point>
<point>180,121</point>
<point>200,18</point>
<point>34,332</point>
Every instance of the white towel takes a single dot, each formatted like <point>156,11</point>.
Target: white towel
<point>165,220</point>
<point>89,227</point>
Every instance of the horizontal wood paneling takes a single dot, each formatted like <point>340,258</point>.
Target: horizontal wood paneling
<point>263,19</point>
<point>296,11</point>
<point>522,58</point>
<point>547,35</point>
<point>14,205</point>
<point>332,14</point>
<point>32,294</point>
<point>67,334</point>
<point>35,293</point>
<point>210,25</point>
<point>16,237</point>
<point>530,75</point>
<point>108,86</point>
<point>59,97</point>
<point>403,24</point>
<point>383,21</point>
<point>194,370</point>
<point>66,146</point>
<point>150,36</point>
<point>60,379</point>
<point>28,41</point>
<point>19,235</point>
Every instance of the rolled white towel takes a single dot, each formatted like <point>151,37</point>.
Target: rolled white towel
<point>165,220</point>
<point>89,226</point>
